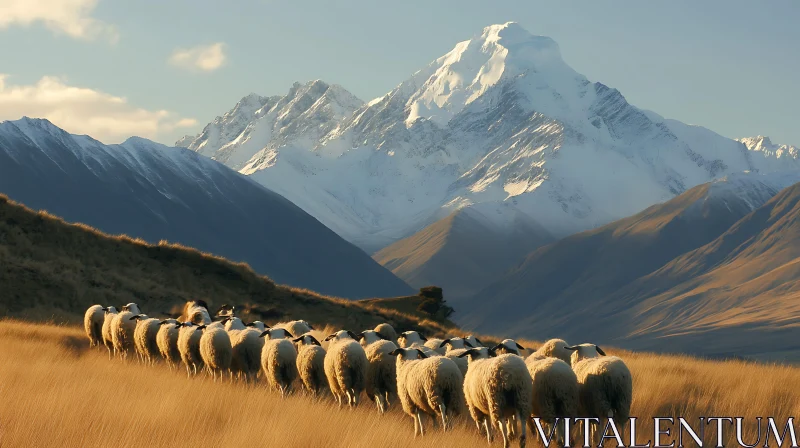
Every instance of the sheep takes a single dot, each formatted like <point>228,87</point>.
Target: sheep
<point>555,392</point>
<point>455,347</point>
<point>189,347</point>
<point>368,337</point>
<point>387,331</point>
<point>258,325</point>
<point>554,348</point>
<point>462,363</point>
<point>215,349</point>
<point>93,324</point>
<point>508,346</point>
<point>455,344</point>
<point>295,327</point>
<point>345,367</point>
<point>435,344</point>
<point>167,341</point>
<point>108,341</point>
<point>605,386</point>
<point>474,341</point>
<point>311,363</point>
<point>410,338</point>
<point>499,389</point>
<point>246,347</point>
<point>122,329</point>
<point>279,360</point>
<point>381,381</point>
<point>428,385</point>
<point>196,312</point>
<point>144,338</point>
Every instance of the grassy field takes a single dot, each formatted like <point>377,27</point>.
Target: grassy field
<point>54,389</point>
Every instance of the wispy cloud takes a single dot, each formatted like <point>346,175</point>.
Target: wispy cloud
<point>82,110</point>
<point>202,57</point>
<point>70,17</point>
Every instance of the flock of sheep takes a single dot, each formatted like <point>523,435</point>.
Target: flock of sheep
<point>431,377</point>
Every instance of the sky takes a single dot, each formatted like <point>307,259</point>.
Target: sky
<point>161,69</point>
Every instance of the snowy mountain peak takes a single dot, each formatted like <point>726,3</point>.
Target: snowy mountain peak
<point>762,144</point>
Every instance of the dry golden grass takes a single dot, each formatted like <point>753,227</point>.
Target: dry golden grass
<point>55,390</point>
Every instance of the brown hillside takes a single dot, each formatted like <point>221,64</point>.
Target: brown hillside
<point>52,270</point>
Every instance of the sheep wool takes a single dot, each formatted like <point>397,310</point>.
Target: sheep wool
<point>122,329</point>
<point>167,341</point>
<point>246,346</point>
<point>216,350</point>
<point>311,364</point>
<point>93,324</point>
<point>410,338</point>
<point>108,340</point>
<point>381,379</point>
<point>196,312</point>
<point>555,392</point>
<point>144,338</point>
<point>435,345</point>
<point>499,390</point>
<point>605,389</point>
<point>508,346</point>
<point>189,347</point>
<point>432,386</point>
<point>473,341</point>
<point>345,367</point>
<point>279,363</point>
<point>387,331</point>
<point>295,327</point>
<point>555,348</point>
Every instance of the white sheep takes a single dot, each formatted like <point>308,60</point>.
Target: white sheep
<point>605,386</point>
<point>297,327</point>
<point>368,337</point>
<point>167,341</point>
<point>258,325</point>
<point>279,360</point>
<point>381,382</point>
<point>432,386</point>
<point>555,393</point>
<point>345,367</point>
<point>508,346</point>
<point>387,331</point>
<point>408,339</point>
<point>554,348</point>
<point>215,349</point>
<point>108,340</point>
<point>436,345</point>
<point>474,341</point>
<point>311,363</point>
<point>246,347</point>
<point>93,324</point>
<point>144,338</point>
<point>196,312</point>
<point>455,344</point>
<point>122,329</point>
<point>189,347</point>
<point>501,390</point>
<point>462,363</point>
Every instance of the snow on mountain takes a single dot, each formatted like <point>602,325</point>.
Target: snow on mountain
<point>150,191</point>
<point>500,118</point>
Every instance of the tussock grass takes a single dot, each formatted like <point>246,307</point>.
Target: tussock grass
<point>55,389</point>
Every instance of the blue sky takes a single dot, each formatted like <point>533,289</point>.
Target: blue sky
<point>109,67</point>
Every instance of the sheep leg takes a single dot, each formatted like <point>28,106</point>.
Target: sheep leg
<point>503,432</point>
<point>419,420</point>
<point>523,435</point>
<point>416,425</point>
<point>379,402</point>
<point>354,397</point>
<point>443,412</point>
<point>488,429</point>
<point>511,425</point>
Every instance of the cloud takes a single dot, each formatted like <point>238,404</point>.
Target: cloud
<point>203,57</point>
<point>81,110</point>
<point>70,17</point>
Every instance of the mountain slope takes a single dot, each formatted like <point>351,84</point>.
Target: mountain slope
<point>153,192</point>
<point>466,251</point>
<point>623,279</point>
<point>499,119</point>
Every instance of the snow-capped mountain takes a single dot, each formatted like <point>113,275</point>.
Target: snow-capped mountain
<point>500,118</point>
<point>150,191</point>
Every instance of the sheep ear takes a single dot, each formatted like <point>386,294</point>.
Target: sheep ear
<point>163,322</point>
<point>359,336</point>
<point>478,341</point>
<point>382,336</point>
<point>421,354</point>
<point>571,347</point>
<point>104,308</point>
<point>492,353</point>
<point>135,317</point>
<point>315,341</point>
<point>422,337</point>
<point>297,339</point>
<point>466,342</point>
<point>330,336</point>
<point>396,352</point>
<point>264,333</point>
<point>445,342</point>
<point>310,326</point>
<point>202,327</point>
<point>599,350</point>
<point>288,334</point>
<point>352,335</point>
<point>519,346</point>
<point>496,347</point>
